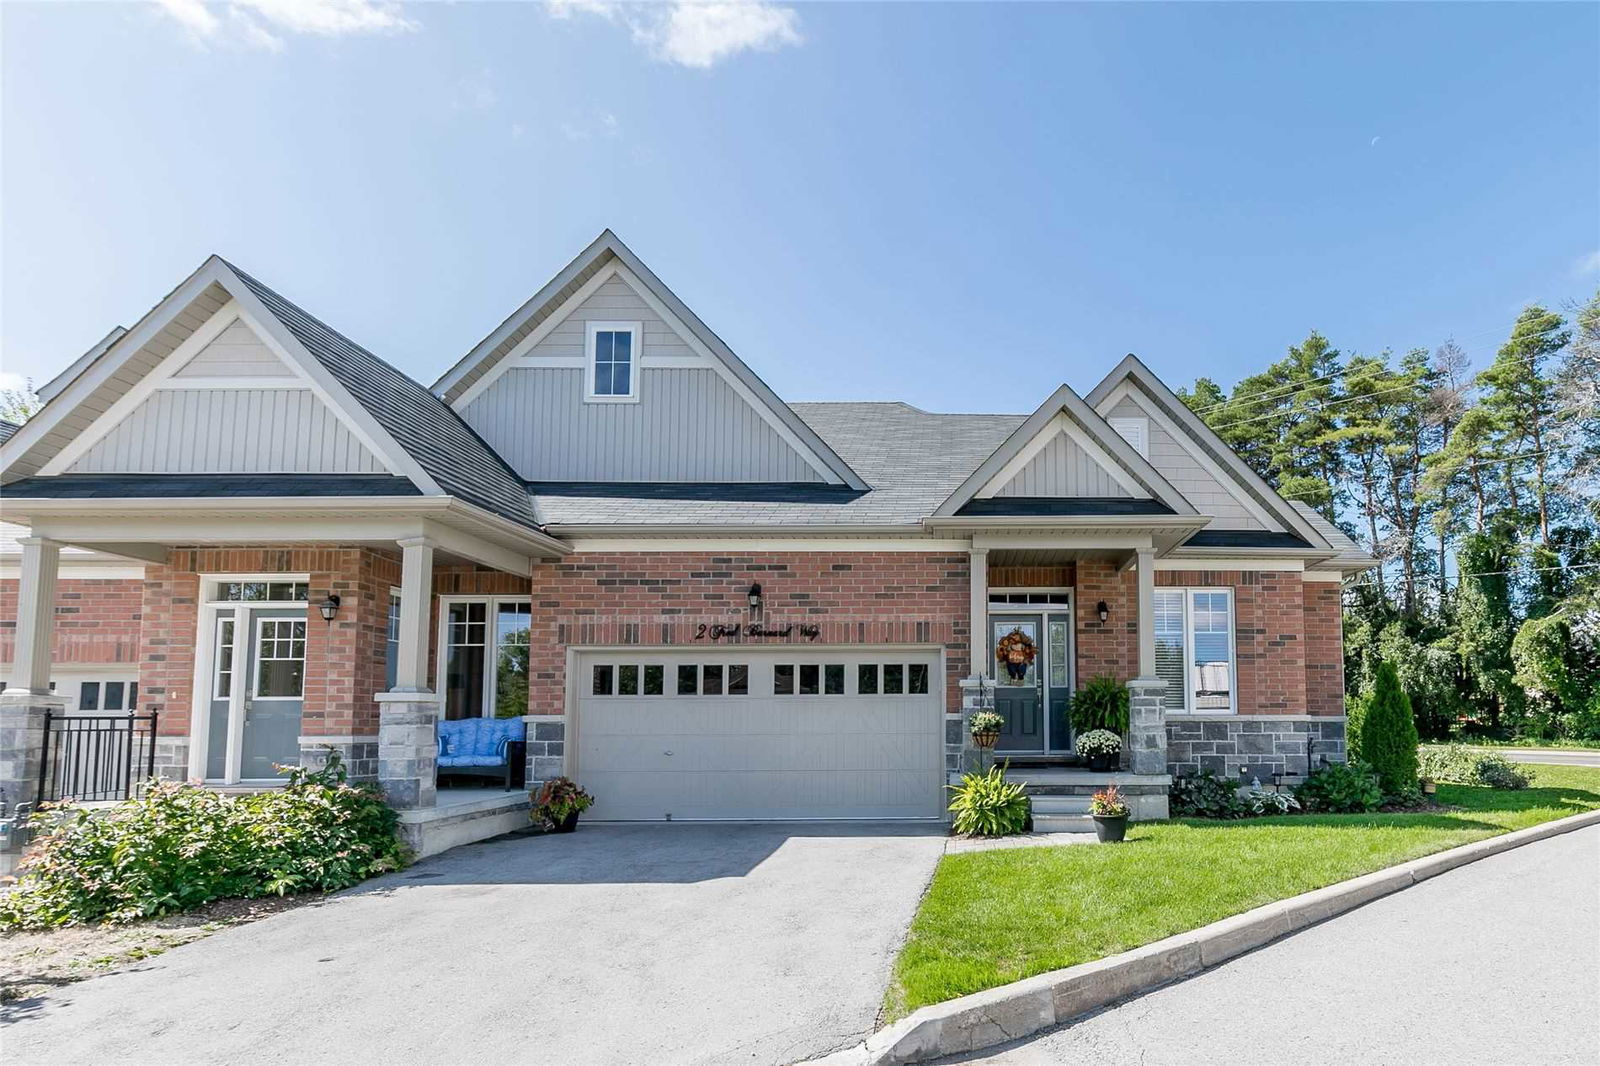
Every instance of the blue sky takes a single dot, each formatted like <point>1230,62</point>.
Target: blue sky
<point>956,205</point>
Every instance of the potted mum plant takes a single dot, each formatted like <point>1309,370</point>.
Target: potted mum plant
<point>558,803</point>
<point>1101,747</point>
<point>985,728</point>
<point>1110,815</point>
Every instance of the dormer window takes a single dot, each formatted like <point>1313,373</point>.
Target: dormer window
<point>613,358</point>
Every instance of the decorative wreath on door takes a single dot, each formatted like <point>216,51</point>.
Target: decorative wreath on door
<point>1016,652</point>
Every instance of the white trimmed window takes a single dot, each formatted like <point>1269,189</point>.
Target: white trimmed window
<point>1136,431</point>
<point>1195,650</point>
<point>612,350</point>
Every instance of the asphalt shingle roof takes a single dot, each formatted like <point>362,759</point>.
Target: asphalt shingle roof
<point>442,444</point>
<point>913,460</point>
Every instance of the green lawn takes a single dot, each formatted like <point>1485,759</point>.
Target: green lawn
<point>1548,745</point>
<point>992,917</point>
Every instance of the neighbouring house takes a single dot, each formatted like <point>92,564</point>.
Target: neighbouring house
<point>701,601</point>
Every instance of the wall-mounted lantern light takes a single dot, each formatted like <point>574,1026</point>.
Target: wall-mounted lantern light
<point>1104,611</point>
<point>754,596</point>
<point>329,607</point>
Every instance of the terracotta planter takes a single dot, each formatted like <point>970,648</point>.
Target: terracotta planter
<point>1110,829</point>
<point>985,740</point>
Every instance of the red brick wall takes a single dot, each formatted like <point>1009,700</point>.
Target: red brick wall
<point>344,658</point>
<point>97,620</point>
<point>1269,634</point>
<point>1324,628</point>
<point>1109,647</point>
<point>663,597</point>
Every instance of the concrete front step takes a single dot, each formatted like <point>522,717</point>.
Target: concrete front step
<point>1062,823</point>
<point>1064,805</point>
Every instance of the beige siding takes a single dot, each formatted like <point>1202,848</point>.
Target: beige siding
<point>131,373</point>
<point>688,425</point>
<point>1177,462</point>
<point>615,301</point>
<point>229,431</point>
<point>235,353</point>
<point>1063,468</point>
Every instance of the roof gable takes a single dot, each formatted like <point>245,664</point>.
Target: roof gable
<point>409,431</point>
<point>1066,450</point>
<point>605,258</point>
<point>1188,427</point>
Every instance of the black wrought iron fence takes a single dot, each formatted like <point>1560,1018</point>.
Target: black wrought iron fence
<point>90,757</point>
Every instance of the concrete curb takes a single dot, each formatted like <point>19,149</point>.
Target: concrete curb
<point>998,1015</point>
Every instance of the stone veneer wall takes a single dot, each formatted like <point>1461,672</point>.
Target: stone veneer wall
<point>1226,744</point>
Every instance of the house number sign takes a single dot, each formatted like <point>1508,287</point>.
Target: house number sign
<point>721,631</point>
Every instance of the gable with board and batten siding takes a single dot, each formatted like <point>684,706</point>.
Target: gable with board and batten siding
<point>223,402</point>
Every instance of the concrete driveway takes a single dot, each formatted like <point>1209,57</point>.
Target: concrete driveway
<point>649,944</point>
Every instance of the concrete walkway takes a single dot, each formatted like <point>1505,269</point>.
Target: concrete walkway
<point>1494,963</point>
<point>618,944</point>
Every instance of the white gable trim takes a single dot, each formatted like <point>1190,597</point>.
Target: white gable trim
<point>163,377</point>
<point>1066,402</point>
<point>1128,390</point>
<point>1194,428</point>
<point>521,356</point>
<point>1061,425</point>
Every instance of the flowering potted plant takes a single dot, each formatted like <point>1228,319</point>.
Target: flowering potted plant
<point>1101,747</point>
<point>1110,815</point>
<point>985,728</point>
<point>1016,652</point>
<point>558,803</point>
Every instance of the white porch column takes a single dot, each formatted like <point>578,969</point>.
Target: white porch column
<point>27,699</point>
<point>416,603</point>
<point>408,715</point>
<point>36,615</point>
<point>1147,612</point>
<point>979,612</point>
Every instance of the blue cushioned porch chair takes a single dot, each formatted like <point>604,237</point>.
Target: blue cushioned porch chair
<point>484,747</point>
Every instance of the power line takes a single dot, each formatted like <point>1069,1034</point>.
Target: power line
<point>1483,573</point>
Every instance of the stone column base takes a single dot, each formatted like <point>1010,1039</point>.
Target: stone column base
<point>22,716</point>
<point>1147,730</point>
<point>547,747</point>
<point>408,749</point>
<point>962,756</point>
<point>359,754</point>
<point>172,758</point>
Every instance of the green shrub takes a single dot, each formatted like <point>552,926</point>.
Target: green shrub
<point>1205,795</point>
<point>1463,766</point>
<point>178,846</point>
<point>1388,733</point>
<point>1341,788</point>
<point>987,805</point>
<point>1102,703</point>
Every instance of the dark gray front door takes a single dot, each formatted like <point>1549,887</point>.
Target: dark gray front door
<point>225,652</point>
<point>272,704</point>
<point>1017,688</point>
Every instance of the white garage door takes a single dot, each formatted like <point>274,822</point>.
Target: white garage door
<point>798,733</point>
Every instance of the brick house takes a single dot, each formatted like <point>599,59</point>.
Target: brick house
<point>702,601</point>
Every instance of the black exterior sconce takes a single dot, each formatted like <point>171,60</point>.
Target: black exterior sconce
<point>1103,610</point>
<point>754,596</point>
<point>329,607</point>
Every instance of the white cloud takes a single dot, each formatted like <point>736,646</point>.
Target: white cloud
<point>8,380</point>
<point>1589,264</point>
<point>262,23</point>
<point>696,33</point>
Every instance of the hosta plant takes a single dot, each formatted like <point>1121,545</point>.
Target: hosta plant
<point>1099,742</point>
<point>988,805</point>
<point>1265,801</point>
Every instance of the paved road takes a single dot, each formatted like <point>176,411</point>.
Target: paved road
<point>1556,756</point>
<point>619,944</point>
<point>1496,963</point>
